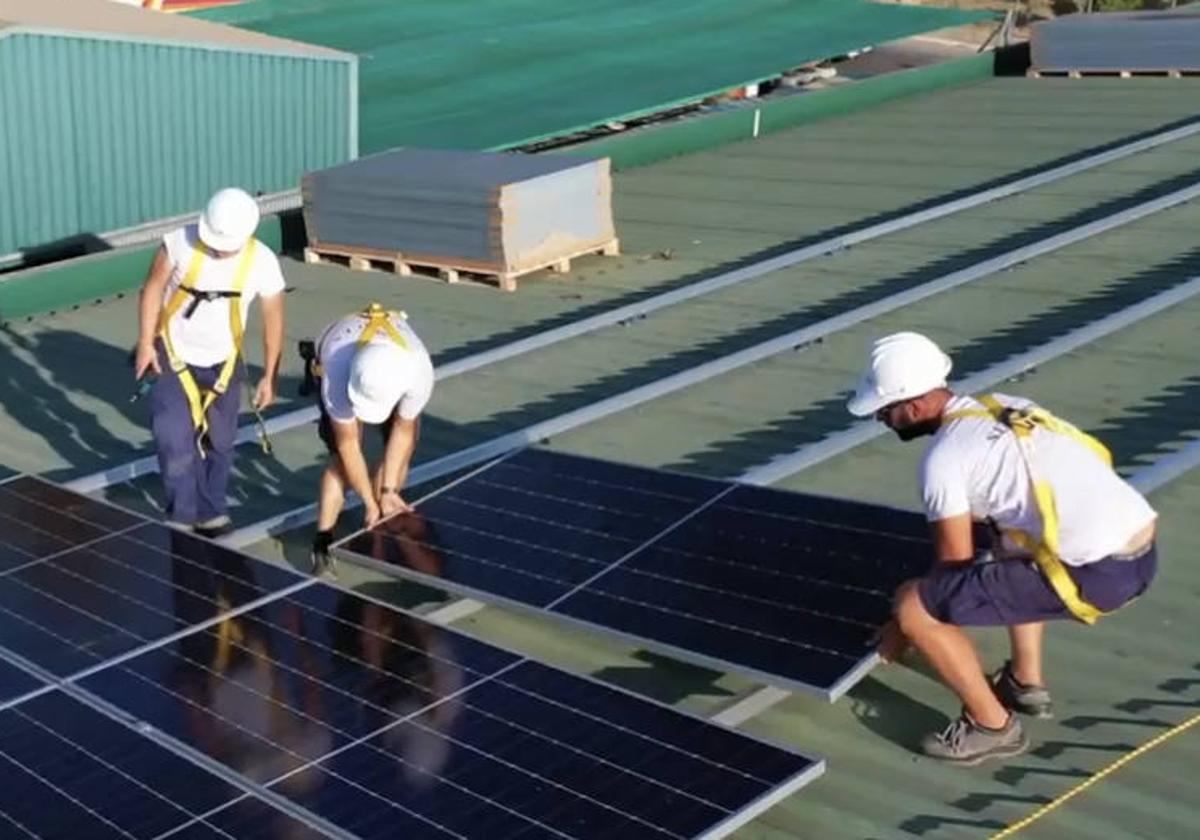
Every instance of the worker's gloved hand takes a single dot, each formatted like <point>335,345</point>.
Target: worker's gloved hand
<point>323,562</point>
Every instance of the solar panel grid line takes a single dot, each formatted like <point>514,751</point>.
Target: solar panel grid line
<point>581,677</point>
<point>304,514</point>
<point>754,612</point>
<point>174,637</point>
<point>360,741</point>
<point>483,712</point>
<point>200,759</point>
<point>118,630</point>
<point>66,795</point>
<point>660,535</point>
<point>68,550</point>
<point>517,541</point>
<point>408,719</point>
<point>412,719</point>
<point>674,651</point>
<point>753,598</point>
<point>24,831</point>
<point>109,512</point>
<point>546,429</point>
<point>100,760</point>
<point>182,751</point>
<point>298,417</point>
<point>767,570</point>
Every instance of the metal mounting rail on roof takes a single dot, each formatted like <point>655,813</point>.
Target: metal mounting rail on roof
<point>860,433</point>
<point>620,314</point>
<point>1168,468</point>
<point>503,444</point>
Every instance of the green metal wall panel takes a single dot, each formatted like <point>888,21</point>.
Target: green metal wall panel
<point>102,134</point>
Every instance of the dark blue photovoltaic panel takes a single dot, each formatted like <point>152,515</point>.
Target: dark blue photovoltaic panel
<point>531,528</point>
<point>38,518</point>
<point>80,608</point>
<point>71,772</point>
<point>389,726</point>
<point>250,818</point>
<point>14,682</point>
<point>783,586</point>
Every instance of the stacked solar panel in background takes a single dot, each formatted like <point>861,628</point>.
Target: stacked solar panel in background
<point>490,212</point>
<point>156,683</point>
<point>787,587</point>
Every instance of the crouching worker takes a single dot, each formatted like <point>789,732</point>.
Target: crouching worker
<point>191,313</point>
<point>1073,539</point>
<point>372,369</point>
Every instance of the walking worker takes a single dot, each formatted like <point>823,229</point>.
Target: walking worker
<point>191,313</point>
<point>373,369</point>
<point>1072,538</point>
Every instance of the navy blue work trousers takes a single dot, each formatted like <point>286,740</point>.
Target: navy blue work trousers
<point>195,486</point>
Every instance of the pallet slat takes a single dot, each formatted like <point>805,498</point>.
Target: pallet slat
<point>365,259</point>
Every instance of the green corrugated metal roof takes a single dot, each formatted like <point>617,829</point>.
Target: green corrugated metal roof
<point>1117,684</point>
<point>474,75</point>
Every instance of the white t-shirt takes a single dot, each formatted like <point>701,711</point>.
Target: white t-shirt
<point>975,466</point>
<point>205,339</point>
<point>336,348</point>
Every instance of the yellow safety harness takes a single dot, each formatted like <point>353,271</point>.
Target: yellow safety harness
<point>199,402</point>
<point>378,320</point>
<point>1045,552</point>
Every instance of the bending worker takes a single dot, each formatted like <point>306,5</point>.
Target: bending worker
<point>373,369</point>
<point>1073,539</point>
<point>191,313</point>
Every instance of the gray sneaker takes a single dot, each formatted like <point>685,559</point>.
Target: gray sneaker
<point>966,742</point>
<point>1033,700</point>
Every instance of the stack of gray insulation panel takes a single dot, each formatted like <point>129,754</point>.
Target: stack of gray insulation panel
<point>501,213</point>
<point>1159,41</point>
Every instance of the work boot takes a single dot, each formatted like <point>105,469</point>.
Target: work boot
<point>323,562</point>
<point>966,742</point>
<point>213,528</point>
<point>1033,700</point>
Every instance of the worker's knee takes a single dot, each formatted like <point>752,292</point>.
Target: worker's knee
<point>909,610</point>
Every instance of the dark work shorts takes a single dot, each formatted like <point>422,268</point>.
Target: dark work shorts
<point>1005,592</point>
<point>325,425</point>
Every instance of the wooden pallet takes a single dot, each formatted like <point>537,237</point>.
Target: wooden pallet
<point>451,271</point>
<point>1112,74</point>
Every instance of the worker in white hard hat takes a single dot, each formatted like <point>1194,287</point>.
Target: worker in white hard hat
<point>1070,538</point>
<point>191,316</point>
<point>373,370</point>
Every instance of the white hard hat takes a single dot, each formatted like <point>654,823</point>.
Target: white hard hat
<point>229,220</point>
<point>902,366</point>
<point>375,381</point>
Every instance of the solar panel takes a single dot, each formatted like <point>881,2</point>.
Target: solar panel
<point>387,725</point>
<point>70,771</point>
<point>785,587</point>
<point>38,519</point>
<point>201,693</point>
<point>80,607</point>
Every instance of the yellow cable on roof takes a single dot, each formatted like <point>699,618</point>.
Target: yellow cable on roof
<point>1087,783</point>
